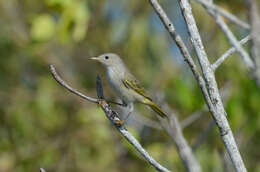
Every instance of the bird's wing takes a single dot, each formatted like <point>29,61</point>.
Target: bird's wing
<point>131,83</point>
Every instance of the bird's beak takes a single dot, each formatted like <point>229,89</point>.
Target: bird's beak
<point>94,58</point>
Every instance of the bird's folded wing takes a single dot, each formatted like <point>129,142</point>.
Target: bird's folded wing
<point>134,85</point>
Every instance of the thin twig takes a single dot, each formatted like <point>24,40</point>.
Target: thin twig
<point>204,134</point>
<point>113,117</point>
<point>225,14</point>
<point>222,58</point>
<point>64,84</point>
<point>193,117</point>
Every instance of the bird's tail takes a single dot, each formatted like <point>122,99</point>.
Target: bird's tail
<point>155,108</point>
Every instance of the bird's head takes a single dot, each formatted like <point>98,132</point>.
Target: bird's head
<point>109,60</point>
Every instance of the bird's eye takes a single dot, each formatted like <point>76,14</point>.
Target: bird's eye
<point>106,57</point>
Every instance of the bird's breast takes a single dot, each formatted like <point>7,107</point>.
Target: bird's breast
<point>115,79</point>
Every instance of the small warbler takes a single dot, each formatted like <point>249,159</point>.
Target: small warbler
<point>124,84</point>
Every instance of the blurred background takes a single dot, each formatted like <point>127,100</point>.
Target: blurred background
<point>43,125</point>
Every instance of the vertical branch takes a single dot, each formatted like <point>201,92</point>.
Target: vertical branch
<point>254,19</point>
<point>219,113</point>
<point>209,86</point>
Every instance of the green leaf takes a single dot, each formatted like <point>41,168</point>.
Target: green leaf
<point>81,18</point>
<point>43,28</point>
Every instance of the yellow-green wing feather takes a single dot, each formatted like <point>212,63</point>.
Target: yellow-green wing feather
<point>134,84</point>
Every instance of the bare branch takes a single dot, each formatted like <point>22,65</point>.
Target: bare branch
<point>219,113</point>
<point>222,58</point>
<point>224,13</point>
<point>113,117</point>
<point>174,130</point>
<point>217,110</point>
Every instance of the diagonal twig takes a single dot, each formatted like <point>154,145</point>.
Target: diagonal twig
<point>113,117</point>
<point>193,117</point>
<point>252,64</point>
<point>203,135</point>
<point>231,37</point>
<point>223,57</point>
<point>234,42</point>
<point>224,13</point>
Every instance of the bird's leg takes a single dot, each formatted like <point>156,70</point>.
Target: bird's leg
<point>123,104</point>
<point>116,103</point>
<point>130,108</point>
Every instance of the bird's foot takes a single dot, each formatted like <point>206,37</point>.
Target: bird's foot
<point>119,122</point>
<point>116,103</point>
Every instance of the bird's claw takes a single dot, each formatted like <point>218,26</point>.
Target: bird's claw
<point>119,122</point>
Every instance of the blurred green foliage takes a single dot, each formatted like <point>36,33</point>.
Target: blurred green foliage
<point>42,125</point>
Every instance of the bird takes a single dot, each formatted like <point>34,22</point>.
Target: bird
<point>125,85</point>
